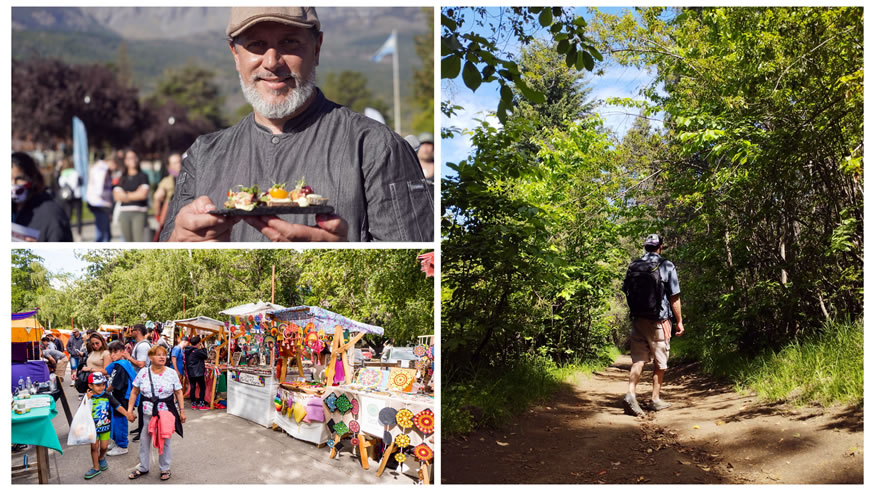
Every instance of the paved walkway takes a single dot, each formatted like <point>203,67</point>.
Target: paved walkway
<point>218,448</point>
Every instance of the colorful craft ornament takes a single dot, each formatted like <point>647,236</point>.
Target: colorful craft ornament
<point>424,421</point>
<point>354,426</point>
<point>402,440</point>
<point>330,443</point>
<point>278,403</point>
<point>300,411</point>
<point>354,441</point>
<point>343,405</point>
<point>404,418</point>
<point>400,379</point>
<point>387,416</point>
<point>419,350</point>
<point>341,428</point>
<point>251,319</point>
<point>417,365</point>
<point>370,377</point>
<point>431,352</point>
<point>423,452</point>
<point>355,407</point>
<point>331,402</point>
<point>400,457</point>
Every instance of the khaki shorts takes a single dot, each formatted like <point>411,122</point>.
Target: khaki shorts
<point>649,342</point>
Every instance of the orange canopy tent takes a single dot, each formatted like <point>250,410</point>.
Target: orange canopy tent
<point>27,330</point>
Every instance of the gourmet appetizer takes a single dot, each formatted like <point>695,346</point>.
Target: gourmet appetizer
<point>245,199</point>
<point>277,196</point>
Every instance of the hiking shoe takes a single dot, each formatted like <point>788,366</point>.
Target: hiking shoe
<point>117,451</point>
<point>103,464</point>
<point>630,405</point>
<point>91,473</point>
<point>659,405</point>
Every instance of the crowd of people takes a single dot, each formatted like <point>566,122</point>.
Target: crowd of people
<point>138,375</point>
<point>44,202</point>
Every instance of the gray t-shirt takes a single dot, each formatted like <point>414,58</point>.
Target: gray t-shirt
<point>141,352</point>
<point>369,174</point>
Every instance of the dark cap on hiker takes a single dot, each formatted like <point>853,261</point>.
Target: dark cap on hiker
<point>243,18</point>
<point>653,240</point>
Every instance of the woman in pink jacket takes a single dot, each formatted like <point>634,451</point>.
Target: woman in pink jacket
<point>159,385</point>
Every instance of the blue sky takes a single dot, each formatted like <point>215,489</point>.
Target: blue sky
<point>61,260</point>
<point>617,81</point>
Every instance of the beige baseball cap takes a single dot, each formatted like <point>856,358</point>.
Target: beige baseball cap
<point>243,18</point>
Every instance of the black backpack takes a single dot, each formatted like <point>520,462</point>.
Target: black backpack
<point>644,288</point>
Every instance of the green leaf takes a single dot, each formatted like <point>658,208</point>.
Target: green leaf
<point>450,66</point>
<point>571,56</point>
<point>546,18</point>
<point>471,76</point>
<point>562,46</point>
<point>448,23</point>
<point>587,61</point>
<point>533,95</point>
<point>578,63</point>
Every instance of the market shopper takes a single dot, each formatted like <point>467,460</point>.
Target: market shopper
<point>195,356</point>
<point>139,358</point>
<point>76,349</point>
<point>370,175</point>
<point>122,374</point>
<point>98,355</point>
<point>162,417</point>
<point>177,360</point>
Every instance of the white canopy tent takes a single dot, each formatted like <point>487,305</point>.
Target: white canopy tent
<point>252,309</point>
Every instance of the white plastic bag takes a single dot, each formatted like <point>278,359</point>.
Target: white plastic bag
<point>82,429</point>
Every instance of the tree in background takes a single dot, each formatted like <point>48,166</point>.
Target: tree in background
<point>761,188</point>
<point>382,287</point>
<point>350,88</point>
<point>46,94</point>
<point>423,78</point>
<point>192,88</point>
<point>29,278</point>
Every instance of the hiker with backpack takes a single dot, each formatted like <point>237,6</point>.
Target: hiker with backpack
<point>653,294</point>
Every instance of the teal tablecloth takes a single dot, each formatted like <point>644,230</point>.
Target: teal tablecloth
<point>35,427</point>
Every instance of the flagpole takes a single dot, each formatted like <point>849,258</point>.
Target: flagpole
<point>395,83</point>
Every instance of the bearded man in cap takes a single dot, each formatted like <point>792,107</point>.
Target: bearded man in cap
<point>653,294</point>
<point>370,175</point>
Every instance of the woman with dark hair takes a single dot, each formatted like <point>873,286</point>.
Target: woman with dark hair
<point>98,356</point>
<point>132,194</point>
<point>33,207</point>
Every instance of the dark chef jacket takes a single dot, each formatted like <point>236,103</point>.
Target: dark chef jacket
<point>369,174</point>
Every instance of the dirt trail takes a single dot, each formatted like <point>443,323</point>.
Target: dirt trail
<point>712,434</point>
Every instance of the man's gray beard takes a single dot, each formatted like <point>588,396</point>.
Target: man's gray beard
<point>293,101</point>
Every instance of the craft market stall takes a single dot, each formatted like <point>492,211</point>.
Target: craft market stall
<point>316,359</point>
<point>378,408</point>
<point>215,339</point>
<point>252,384</point>
<point>391,407</point>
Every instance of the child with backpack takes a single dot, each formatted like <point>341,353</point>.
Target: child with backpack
<point>122,374</point>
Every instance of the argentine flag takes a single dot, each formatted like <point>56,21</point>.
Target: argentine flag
<point>388,48</point>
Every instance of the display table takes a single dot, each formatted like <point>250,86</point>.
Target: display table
<point>35,428</point>
<point>251,393</point>
<point>314,432</point>
<point>370,403</point>
<point>37,370</point>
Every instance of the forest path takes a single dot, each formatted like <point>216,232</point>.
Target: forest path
<point>712,434</point>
